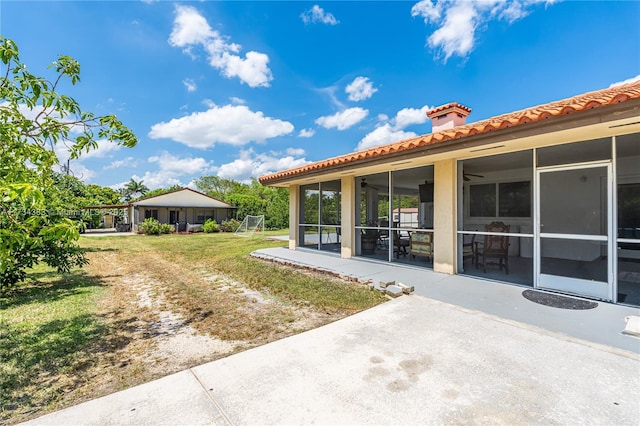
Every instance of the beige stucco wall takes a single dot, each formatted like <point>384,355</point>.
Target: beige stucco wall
<point>294,215</point>
<point>444,216</point>
<point>347,213</point>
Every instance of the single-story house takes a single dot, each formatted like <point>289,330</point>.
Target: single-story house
<point>183,208</point>
<point>546,197</point>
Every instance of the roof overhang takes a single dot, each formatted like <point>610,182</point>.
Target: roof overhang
<point>608,120</point>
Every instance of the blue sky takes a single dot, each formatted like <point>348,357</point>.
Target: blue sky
<point>240,89</point>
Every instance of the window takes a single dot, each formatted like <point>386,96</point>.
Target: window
<point>513,199</point>
<point>151,213</point>
<point>483,200</point>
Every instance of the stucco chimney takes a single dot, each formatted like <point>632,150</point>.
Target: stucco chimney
<point>448,116</point>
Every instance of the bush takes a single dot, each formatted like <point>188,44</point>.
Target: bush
<point>151,226</point>
<point>229,225</point>
<point>210,226</point>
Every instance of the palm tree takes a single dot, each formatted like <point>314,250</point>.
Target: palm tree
<point>132,188</point>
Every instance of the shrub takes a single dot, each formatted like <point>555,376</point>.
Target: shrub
<point>151,226</point>
<point>229,225</point>
<point>210,225</point>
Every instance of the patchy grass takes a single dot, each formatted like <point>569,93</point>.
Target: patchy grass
<point>227,254</point>
<point>48,327</point>
<point>149,306</point>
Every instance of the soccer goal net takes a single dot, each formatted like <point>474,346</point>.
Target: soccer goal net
<point>250,225</point>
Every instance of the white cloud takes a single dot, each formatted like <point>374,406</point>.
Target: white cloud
<point>456,34</point>
<point>190,29</point>
<point>458,21</point>
<point>157,179</point>
<point>343,120</point>
<point>627,81</point>
<point>180,166</point>
<point>252,165</point>
<point>77,170</point>
<point>306,133</point>
<point>119,185</point>
<point>295,152</point>
<point>360,89</point>
<point>383,135</point>
<point>331,93</point>
<point>230,124</point>
<point>82,172</point>
<point>390,131</point>
<point>127,162</point>
<point>409,116</point>
<point>317,15</point>
<point>253,70</point>
<point>513,12</point>
<point>190,84</point>
<point>171,168</point>
<point>237,101</point>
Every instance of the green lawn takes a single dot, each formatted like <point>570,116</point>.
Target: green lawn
<point>47,327</point>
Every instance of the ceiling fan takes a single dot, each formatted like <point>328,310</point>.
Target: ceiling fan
<point>364,184</point>
<point>467,176</point>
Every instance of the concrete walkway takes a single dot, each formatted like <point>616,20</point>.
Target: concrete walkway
<point>412,360</point>
<point>600,325</point>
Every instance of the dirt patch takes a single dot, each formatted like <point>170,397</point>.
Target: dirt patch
<point>163,318</point>
<point>166,310</point>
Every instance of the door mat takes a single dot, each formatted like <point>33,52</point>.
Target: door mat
<point>557,301</point>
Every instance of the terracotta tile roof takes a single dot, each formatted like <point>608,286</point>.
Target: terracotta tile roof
<point>450,106</point>
<point>586,101</point>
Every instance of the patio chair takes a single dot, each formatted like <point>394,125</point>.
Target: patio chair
<point>494,247</point>
<point>468,249</point>
<point>399,244</point>
<point>383,235</point>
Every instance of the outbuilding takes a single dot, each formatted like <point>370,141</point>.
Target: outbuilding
<point>182,208</point>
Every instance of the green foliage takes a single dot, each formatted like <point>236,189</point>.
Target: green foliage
<point>34,205</point>
<point>220,188</point>
<point>151,226</point>
<point>250,199</point>
<point>247,204</point>
<point>132,188</point>
<point>229,225</point>
<point>210,226</point>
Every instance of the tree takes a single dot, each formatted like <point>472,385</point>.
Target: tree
<point>34,117</point>
<point>253,199</point>
<point>134,187</point>
<point>247,204</point>
<point>220,188</point>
